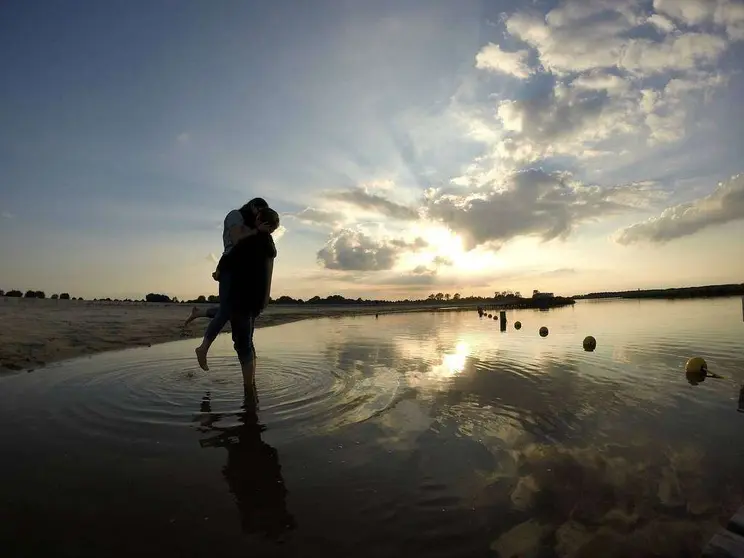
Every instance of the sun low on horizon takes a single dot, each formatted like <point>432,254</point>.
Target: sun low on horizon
<point>409,148</point>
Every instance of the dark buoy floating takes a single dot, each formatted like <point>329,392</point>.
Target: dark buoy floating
<point>495,317</point>
<point>517,325</point>
<point>543,331</point>
<point>590,343</point>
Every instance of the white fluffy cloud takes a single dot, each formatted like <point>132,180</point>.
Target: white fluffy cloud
<point>620,73</point>
<point>582,35</point>
<point>492,57</point>
<point>727,14</point>
<point>322,217</point>
<point>724,205</point>
<point>534,203</point>
<point>353,250</point>
<point>618,80</point>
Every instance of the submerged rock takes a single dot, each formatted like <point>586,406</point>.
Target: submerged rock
<point>700,501</point>
<point>620,520</point>
<point>669,492</point>
<point>570,537</point>
<point>666,537</point>
<point>524,493</point>
<point>605,543</point>
<point>522,541</point>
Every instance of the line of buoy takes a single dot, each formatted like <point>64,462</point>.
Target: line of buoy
<point>696,368</point>
<point>589,343</point>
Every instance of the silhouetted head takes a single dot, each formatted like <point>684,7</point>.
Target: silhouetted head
<point>268,216</point>
<point>255,205</point>
<point>251,209</point>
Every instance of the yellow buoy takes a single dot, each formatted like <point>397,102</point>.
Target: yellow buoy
<point>590,343</point>
<point>543,331</point>
<point>696,365</point>
<point>517,325</point>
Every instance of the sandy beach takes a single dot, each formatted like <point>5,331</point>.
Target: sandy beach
<point>36,332</point>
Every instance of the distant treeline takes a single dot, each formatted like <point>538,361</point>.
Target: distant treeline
<point>37,294</point>
<point>733,289</point>
<point>499,297</point>
<point>337,299</point>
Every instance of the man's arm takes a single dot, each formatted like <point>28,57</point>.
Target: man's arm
<point>236,228</point>
<point>239,232</point>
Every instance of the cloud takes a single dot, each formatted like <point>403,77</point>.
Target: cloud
<point>534,203</point>
<point>662,23</point>
<point>492,58</point>
<point>580,36</point>
<point>727,14</point>
<point>559,120</point>
<point>676,53</point>
<point>212,257</point>
<point>417,243</point>
<point>442,261</point>
<point>353,250</point>
<point>313,216</point>
<point>279,233</point>
<point>363,199</point>
<point>724,205</point>
<point>615,78</point>
<point>426,274</point>
<point>6,215</point>
<point>183,138</point>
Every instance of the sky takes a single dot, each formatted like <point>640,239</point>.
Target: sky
<point>410,147</point>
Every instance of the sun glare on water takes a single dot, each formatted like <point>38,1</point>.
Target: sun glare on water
<point>453,363</point>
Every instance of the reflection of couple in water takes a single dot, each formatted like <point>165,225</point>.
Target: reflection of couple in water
<point>252,470</point>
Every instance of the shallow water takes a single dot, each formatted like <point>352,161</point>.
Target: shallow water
<point>423,434</point>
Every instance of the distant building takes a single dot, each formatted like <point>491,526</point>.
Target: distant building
<point>538,294</point>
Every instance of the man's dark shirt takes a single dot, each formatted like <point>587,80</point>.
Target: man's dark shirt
<point>247,263</point>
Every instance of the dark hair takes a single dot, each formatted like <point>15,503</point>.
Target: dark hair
<point>268,216</point>
<point>247,211</point>
<point>255,203</point>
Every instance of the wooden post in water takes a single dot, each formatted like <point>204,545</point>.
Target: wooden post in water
<point>502,320</point>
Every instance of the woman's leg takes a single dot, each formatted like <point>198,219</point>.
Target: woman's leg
<point>210,312</point>
<point>221,317</point>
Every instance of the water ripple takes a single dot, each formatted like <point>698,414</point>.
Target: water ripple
<point>107,396</point>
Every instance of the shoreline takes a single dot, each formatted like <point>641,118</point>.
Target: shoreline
<point>37,332</point>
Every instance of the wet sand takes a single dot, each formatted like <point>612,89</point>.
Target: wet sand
<point>34,332</point>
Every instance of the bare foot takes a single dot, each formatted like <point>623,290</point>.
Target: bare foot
<point>192,317</point>
<point>201,357</point>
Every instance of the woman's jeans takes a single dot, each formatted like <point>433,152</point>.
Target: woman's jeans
<point>220,315</point>
<point>242,325</point>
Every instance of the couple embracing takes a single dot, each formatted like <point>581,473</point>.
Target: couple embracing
<point>244,274</point>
